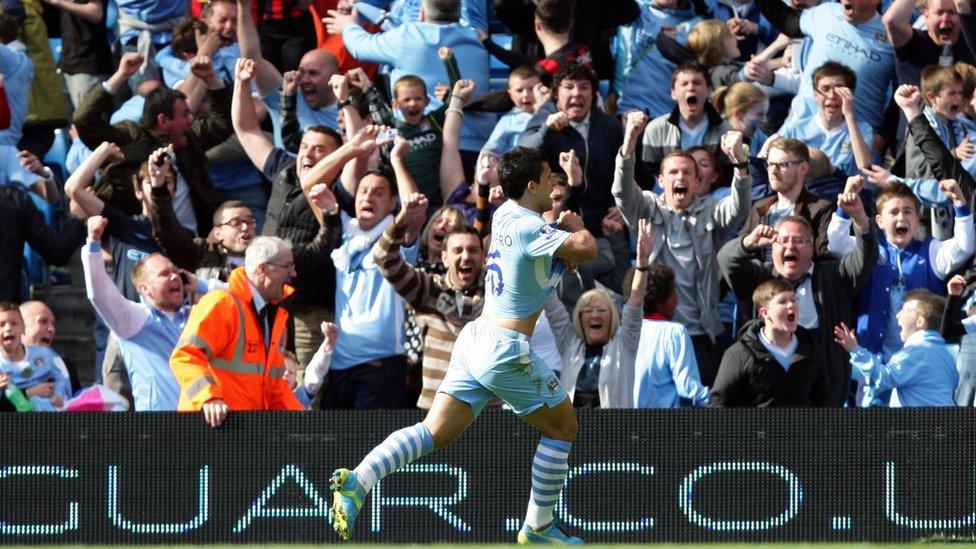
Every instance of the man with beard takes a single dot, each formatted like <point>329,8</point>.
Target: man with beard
<point>694,121</point>
<point>688,231</point>
<point>824,289</point>
<point>787,165</point>
<point>444,303</point>
<point>939,44</point>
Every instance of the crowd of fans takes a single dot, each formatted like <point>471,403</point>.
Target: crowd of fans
<point>781,193</point>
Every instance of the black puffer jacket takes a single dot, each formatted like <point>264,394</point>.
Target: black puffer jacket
<point>750,376</point>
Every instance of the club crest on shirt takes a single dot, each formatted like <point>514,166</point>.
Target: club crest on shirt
<point>553,385</point>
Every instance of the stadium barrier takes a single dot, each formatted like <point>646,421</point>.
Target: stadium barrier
<point>636,476</point>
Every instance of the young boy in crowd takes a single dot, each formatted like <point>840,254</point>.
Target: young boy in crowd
<point>904,263</point>
<point>522,82</point>
<point>942,90</point>
<point>833,128</point>
<point>775,362</point>
<point>923,371</point>
<point>32,369</point>
<point>422,130</point>
<point>666,371</point>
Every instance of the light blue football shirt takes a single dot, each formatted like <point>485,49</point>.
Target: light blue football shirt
<point>835,143</point>
<point>520,271</point>
<point>864,48</point>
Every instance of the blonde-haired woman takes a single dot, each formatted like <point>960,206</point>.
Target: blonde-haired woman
<point>599,344</point>
<point>717,49</point>
<point>744,105</point>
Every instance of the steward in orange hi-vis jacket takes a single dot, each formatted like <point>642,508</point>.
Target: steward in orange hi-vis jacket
<point>222,355</point>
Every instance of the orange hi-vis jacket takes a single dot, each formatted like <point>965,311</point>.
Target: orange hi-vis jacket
<point>221,353</point>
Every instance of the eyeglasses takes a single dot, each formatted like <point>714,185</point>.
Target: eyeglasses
<point>785,239</point>
<point>237,222</point>
<point>290,266</point>
<point>774,166</point>
<point>827,90</point>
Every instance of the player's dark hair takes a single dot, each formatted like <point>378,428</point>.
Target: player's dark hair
<point>519,166</point>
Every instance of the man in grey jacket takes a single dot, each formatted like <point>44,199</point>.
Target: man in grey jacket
<point>688,230</point>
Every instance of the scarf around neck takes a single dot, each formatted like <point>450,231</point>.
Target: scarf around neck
<point>350,253</point>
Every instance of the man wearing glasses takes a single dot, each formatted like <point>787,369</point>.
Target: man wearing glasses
<point>825,289</point>
<point>213,257</point>
<point>787,165</point>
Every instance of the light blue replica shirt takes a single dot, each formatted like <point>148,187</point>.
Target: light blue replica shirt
<point>835,143</point>
<point>147,336</point>
<point>411,48</point>
<point>923,371</point>
<point>506,133</point>
<point>520,271</point>
<point>666,370</point>
<point>39,366</point>
<point>642,75</point>
<point>864,48</point>
<point>151,12</point>
<point>175,69</point>
<point>18,72</point>
<point>369,311</point>
<point>474,13</point>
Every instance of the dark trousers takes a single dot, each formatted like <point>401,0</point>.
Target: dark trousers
<point>709,356</point>
<point>377,384</point>
<point>284,42</point>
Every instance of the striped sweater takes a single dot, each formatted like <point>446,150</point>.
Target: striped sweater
<point>442,309</point>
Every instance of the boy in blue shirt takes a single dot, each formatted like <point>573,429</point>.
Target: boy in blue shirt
<point>923,371</point>
<point>32,369</point>
<point>904,263</point>
<point>834,128</point>
<point>522,82</point>
<point>493,356</point>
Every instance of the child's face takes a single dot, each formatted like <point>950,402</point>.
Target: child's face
<point>909,320</point>
<point>948,101</point>
<point>830,102</point>
<point>11,330</point>
<point>781,312</point>
<point>898,219</point>
<point>411,101</point>
<point>520,91</point>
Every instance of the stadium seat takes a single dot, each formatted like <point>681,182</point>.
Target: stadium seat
<point>57,155</point>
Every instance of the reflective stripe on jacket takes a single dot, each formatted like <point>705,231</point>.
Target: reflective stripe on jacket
<point>221,353</point>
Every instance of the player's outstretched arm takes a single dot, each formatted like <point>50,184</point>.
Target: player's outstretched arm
<point>580,246</point>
